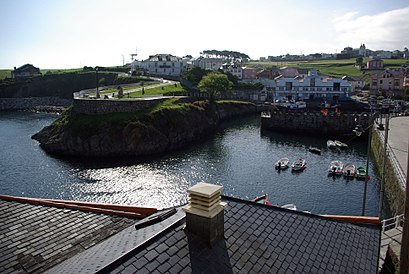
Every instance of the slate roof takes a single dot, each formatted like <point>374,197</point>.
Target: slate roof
<point>35,238</point>
<point>260,239</point>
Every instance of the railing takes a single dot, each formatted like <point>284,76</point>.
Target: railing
<point>395,163</point>
<point>392,223</point>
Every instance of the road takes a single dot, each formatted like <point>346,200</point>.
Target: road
<point>92,92</point>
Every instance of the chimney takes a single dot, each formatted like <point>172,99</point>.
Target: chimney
<point>205,212</point>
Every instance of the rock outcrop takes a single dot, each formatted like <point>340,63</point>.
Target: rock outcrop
<point>136,134</point>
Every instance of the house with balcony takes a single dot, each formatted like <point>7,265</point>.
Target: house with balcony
<point>389,82</point>
<point>160,64</point>
<point>311,87</point>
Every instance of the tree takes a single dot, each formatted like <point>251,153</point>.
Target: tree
<point>359,60</point>
<point>194,75</point>
<point>213,84</point>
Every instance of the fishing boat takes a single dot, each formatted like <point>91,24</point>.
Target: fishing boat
<point>331,144</point>
<point>335,168</point>
<point>314,150</point>
<point>361,173</point>
<point>299,165</point>
<point>263,199</point>
<point>282,164</point>
<point>349,170</point>
<point>340,144</point>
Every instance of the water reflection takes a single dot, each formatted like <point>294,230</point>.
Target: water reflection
<point>240,157</point>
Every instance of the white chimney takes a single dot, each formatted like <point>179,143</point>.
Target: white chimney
<point>205,212</point>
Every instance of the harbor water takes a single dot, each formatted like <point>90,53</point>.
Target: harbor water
<point>240,157</point>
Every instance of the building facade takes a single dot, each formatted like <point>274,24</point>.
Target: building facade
<point>25,71</point>
<point>212,63</point>
<point>374,64</point>
<point>249,74</point>
<point>160,64</point>
<point>389,82</point>
<point>309,87</point>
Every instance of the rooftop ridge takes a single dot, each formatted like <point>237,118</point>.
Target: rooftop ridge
<point>358,220</point>
<point>111,209</point>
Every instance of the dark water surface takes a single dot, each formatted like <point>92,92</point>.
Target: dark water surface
<point>240,157</point>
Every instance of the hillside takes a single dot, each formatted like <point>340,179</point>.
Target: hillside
<point>335,68</point>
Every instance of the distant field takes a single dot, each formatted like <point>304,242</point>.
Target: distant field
<point>5,73</point>
<point>336,68</point>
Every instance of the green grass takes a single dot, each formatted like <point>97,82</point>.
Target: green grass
<point>158,90</point>
<point>5,73</point>
<point>335,68</point>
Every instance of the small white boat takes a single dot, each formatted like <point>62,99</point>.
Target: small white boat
<point>335,168</point>
<point>282,164</point>
<point>340,144</point>
<point>299,165</point>
<point>349,170</point>
<point>290,206</point>
<point>331,144</point>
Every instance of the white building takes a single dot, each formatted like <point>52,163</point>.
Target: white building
<point>213,63</point>
<point>308,87</point>
<point>160,64</point>
<point>234,69</point>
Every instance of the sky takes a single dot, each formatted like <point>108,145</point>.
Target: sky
<point>61,34</point>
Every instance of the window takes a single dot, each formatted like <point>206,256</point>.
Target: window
<point>381,82</point>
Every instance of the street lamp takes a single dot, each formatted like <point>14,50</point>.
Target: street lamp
<point>96,71</point>
<point>358,131</point>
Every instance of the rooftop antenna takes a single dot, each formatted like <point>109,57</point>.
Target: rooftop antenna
<point>133,55</point>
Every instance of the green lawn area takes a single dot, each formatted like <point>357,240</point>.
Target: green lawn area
<point>158,90</point>
<point>5,73</point>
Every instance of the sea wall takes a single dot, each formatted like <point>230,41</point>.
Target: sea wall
<point>93,106</point>
<point>32,103</point>
<point>314,122</point>
<point>392,185</point>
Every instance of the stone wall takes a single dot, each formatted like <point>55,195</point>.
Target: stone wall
<point>93,106</point>
<point>32,103</point>
<point>314,122</point>
<point>392,186</point>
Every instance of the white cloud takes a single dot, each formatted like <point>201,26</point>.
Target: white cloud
<point>387,30</point>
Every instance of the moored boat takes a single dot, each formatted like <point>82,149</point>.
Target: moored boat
<point>282,164</point>
<point>349,170</point>
<point>314,150</point>
<point>361,173</point>
<point>290,206</point>
<point>263,199</point>
<point>299,165</point>
<point>340,144</point>
<point>336,167</point>
<point>331,144</point>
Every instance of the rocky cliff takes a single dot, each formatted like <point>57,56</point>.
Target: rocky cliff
<point>167,126</point>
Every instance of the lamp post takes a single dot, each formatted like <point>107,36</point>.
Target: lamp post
<point>96,72</point>
<point>383,163</point>
<point>358,131</point>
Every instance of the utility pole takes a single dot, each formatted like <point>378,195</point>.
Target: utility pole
<point>404,252</point>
